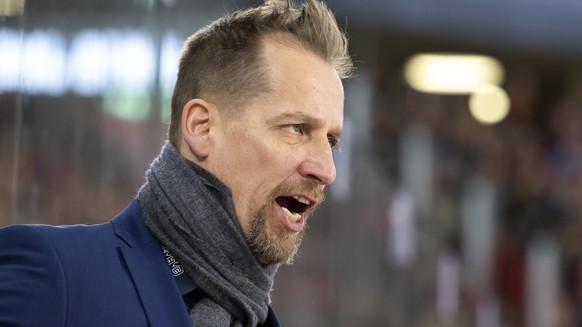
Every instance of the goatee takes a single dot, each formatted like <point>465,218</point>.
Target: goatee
<point>279,245</point>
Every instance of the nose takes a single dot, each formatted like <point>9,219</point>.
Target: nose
<point>318,165</point>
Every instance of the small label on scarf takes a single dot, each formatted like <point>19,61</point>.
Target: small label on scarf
<point>174,265</point>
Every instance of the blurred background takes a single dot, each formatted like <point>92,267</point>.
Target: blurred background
<point>458,200</point>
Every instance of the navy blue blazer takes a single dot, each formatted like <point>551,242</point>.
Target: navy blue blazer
<point>112,274</point>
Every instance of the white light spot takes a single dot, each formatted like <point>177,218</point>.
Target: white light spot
<point>452,73</point>
<point>489,104</point>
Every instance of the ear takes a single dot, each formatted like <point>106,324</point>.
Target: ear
<point>195,126</point>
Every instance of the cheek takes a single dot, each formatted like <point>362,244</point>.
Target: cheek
<point>259,155</point>
<point>247,162</point>
<point>260,171</point>
<point>258,163</point>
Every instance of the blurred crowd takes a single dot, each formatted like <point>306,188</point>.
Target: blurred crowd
<point>533,163</point>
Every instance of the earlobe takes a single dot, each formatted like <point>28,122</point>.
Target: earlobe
<point>196,128</point>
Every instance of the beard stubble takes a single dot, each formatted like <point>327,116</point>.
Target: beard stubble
<point>279,245</point>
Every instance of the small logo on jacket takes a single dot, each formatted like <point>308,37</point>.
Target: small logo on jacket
<point>173,263</point>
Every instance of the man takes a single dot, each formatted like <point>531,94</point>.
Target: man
<point>256,111</point>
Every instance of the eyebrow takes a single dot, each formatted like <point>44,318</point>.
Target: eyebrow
<point>306,118</point>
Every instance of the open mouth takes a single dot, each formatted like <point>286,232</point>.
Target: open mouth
<point>294,206</point>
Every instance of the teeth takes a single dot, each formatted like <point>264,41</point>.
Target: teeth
<point>302,199</point>
<point>293,216</point>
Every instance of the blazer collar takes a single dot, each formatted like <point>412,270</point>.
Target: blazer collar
<point>130,227</point>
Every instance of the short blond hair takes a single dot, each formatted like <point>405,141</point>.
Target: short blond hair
<point>223,59</point>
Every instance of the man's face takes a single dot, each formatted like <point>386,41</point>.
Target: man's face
<point>277,157</point>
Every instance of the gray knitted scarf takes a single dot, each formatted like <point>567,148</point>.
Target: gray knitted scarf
<point>191,213</point>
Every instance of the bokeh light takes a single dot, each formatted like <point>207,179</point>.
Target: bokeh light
<point>489,104</point>
<point>452,73</point>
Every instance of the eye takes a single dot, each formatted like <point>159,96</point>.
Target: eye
<point>297,128</point>
<point>333,143</point>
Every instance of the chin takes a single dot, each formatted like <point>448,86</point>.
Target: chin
<point>278,249</point>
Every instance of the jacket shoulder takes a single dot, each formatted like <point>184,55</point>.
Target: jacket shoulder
<point>77,274</point>
<point>31,279</point>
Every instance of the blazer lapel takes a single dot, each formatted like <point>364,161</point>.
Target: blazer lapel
<point>156,286</point>
<point>153,280</point>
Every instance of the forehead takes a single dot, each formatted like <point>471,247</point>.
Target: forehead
<point>301,81</point>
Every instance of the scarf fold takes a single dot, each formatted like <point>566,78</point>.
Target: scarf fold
<point>190,211</point>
